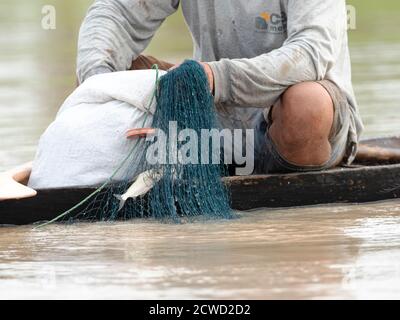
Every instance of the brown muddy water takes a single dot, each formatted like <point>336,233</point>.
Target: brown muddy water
<point>335,251</point>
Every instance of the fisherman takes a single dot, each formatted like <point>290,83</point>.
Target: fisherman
<point>280,67</point>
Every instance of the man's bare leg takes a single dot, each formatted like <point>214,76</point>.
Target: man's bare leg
<point>301,124</point>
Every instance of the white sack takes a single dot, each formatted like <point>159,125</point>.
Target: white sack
<point>87,142</point>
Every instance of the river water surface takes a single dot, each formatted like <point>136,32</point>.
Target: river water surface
<point>340,251</point>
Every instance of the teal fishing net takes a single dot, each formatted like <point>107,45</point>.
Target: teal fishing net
<point>179,170</point>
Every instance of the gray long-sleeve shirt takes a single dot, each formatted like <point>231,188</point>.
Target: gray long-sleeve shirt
<point>256,49</point>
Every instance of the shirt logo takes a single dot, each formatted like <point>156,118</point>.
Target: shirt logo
<point>271,22</point>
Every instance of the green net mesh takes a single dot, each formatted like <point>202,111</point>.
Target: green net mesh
<point>167,187</point>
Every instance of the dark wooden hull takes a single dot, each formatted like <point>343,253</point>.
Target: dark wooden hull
<point>357,184</point>
<point>347,185</point>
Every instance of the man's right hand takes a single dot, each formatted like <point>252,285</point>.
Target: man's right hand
<point>146,62</point>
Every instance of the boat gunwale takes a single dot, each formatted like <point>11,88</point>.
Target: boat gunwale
<point>260,177</point>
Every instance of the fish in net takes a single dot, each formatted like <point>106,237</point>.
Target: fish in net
<point>167,187</point>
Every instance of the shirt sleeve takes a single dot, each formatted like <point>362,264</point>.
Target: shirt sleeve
<point>115,32</point>
<point>316,31</point>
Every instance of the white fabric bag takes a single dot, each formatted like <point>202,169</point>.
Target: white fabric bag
<point>87,142</point>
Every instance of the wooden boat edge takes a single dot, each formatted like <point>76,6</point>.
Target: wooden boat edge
<point>339,185</point>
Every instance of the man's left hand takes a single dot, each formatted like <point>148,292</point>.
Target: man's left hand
<point>210,75</point>
<point>207,70</point>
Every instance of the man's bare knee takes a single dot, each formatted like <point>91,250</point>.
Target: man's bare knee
<point>302,124</point>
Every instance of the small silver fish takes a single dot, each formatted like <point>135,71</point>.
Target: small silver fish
<point>143,184</point>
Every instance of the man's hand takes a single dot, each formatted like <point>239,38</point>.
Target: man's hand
<point>143,62</point>
<point>207,70</point>
<point>210,75</point>
<point>140,133</point>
